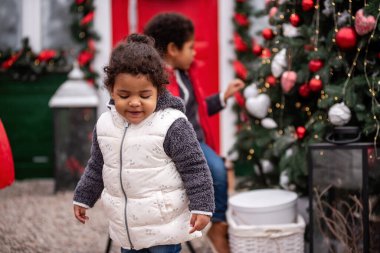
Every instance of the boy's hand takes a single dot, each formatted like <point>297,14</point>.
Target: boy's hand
<point>80,213</point>
<point>198,222</point>
<point>233,86</point>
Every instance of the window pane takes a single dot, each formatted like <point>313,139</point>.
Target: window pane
<point>56,21</point>
<point>10,28</point>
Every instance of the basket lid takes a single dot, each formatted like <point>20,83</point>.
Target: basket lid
<point>262,200</point>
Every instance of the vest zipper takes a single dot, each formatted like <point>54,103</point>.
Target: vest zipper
<point>122,188</point>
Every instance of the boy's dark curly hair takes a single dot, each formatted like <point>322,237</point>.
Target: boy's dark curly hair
<point>136,56</point>
<point>169,27</point>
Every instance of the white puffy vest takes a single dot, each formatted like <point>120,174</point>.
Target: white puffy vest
<point>143,194</point>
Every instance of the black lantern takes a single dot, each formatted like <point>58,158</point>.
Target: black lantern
<point>344,194</point>
<point>74,114</point>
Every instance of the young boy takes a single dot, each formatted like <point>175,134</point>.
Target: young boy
<point>146,163</point>
<point>174,39</point>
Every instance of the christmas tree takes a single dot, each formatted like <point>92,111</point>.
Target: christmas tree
<point>318,67</point>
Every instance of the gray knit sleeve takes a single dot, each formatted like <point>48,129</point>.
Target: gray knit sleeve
<point>182,146</point>
<point>90,185</point>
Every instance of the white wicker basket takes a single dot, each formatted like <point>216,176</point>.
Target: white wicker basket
<point>282,238</point>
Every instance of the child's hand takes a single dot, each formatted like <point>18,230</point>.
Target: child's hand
<point>80,213</point>
<point>198,222</point>
<point>233,86</point>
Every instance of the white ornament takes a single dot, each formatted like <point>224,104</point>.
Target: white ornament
<point>343,19</point>
<point>269,123</point>
<point>258,106</point>
<point>339,114</point>
<point>328,8</point>
<point>233,156</point>
<point>251,91</point>
<point>289,30</point>
<point>279,63</point>
<point>266,165</point>
<point>288,152</point>
<point>284,179</point>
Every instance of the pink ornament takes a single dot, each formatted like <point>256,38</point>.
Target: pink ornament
<point>288,79</point>
<point>273,11</point>
<point>364,25</point>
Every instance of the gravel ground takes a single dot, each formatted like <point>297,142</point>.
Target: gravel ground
<point>33,219</point>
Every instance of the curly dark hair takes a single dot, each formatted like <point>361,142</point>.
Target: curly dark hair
<point>169,27</point>
<point>136,56</point>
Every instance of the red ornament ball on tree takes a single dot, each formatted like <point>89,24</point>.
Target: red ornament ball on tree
<point>271,80</point>
<point>304,90</point>
<point>315,65</point>
<point>265,53</point>
<point>315,85</point>
<point>346,38</point>
<point>294,19</point>
<point>307,5</point>
<point>267,33</point>
<point>300,131</point>
<point>257,49</point>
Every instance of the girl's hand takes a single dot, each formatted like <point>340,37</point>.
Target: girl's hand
<point>80,213</point>
<point>233,86</point>
<point>198,222</point>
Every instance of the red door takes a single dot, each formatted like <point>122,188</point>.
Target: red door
<point>203,13</point>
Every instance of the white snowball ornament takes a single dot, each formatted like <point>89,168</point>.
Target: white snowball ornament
<point>289,31</point>
<point>251,91</point>
<point>279,63</point>
<point>269,123</point>
<point>343,19</point>
<point>328,10</point>
<point>284,179</point>
<point>258,106</point>
<point>339,114</point>
<point>266,165</point>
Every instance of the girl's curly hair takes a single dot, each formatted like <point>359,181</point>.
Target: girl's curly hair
<point>136,56</point>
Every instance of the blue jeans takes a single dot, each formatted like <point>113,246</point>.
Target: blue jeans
<point>219,178</point>
<point>173,248</point>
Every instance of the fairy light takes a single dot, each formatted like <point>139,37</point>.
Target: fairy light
<point>316,26</point>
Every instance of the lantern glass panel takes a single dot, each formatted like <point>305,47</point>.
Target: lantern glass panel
<point>344,198</point>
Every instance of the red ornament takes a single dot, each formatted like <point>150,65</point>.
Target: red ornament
<point>85,57</point>
<point>294,19</point>
<point>271,80</point>
<point>265,53</point>
<point>267,33</point>
<point>304,90</point>
<point>315,65</point>
<point>240,69</point>
<point>241,19</point>
<point>10,61</point>
<point>307,5</point>
<point>315,84</point>
<point>46,55</point>
<point>87,19</point>
<point>346,38</point>
<point>257,49</point>
<point>300,131</point>
<point>239,99</point>
<point>240,45</point>
<point>308,47</point>
<point>78,2</point>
